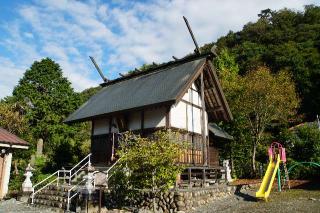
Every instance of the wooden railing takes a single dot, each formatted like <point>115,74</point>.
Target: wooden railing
<point>190,156</point>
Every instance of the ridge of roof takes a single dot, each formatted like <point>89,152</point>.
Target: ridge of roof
<point>163,66</point>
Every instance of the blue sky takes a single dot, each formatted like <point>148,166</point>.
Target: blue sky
<point>121,35</point>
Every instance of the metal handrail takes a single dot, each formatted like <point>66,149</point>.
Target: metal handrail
<point>72,172</point>
<point>46,179</point>
<point>57,173</point>
<point>88,156</point>
<point>73,168</point>
<point>69,191</point>
<point>78,184</point>
<point>34,193</point>
<point>113,165</point>
<point>79,169</point>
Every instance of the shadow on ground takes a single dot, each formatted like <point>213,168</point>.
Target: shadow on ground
<point>244,196</point>
<point>310,185</point>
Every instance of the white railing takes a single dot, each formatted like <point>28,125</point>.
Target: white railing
<point>69,193</point>
<point>60,174</point>
<point>109,169</point>
<point>69,175</point>
<point>76,187</point>
<point>74,171</point>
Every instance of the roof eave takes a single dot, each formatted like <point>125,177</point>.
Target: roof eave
<point>226,107</point>
<point>165,103</point>
<point>13,145</point>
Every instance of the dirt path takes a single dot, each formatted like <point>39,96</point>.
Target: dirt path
<point>295,200</point>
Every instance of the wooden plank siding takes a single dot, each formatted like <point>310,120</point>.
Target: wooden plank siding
<point>102,147</point>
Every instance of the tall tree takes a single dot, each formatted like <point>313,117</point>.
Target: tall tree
<point>237,150</point>
<point>264,98</point>
<point>51,99</point>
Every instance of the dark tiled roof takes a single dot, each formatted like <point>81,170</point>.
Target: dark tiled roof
<point>218,131</point>
<point>9,138</point>
<point>161,85</point>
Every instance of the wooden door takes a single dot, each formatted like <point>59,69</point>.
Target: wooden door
<point>103,149</point>
<point>213,156</point>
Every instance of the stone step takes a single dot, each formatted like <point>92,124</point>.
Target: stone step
<point>61,187</point>
<point>45,208</point>
<point>54,196</point>
<point>51,197</point>
<point>51,203</point>
<point>53,192</point>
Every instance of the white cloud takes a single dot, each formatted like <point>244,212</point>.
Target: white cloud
<point>9,72</point>
<point>120,36</point>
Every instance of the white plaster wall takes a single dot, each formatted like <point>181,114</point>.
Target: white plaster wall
<point>134,121</point>
<point>192,96</point>
<point>186,96</point>
<point>155,117</point>
<point>186,116</point>
<point>195,98</point>
<point>194,119</point>
<point>100,126</point>
<point>178,115</point>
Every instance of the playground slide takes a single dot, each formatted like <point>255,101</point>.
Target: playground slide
<point>267,182</point>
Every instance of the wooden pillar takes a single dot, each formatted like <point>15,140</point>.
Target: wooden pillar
<point>203,130</point>
<point>189,177</point>
<point>203,177</point>
<point>142,122</point>
<point>168,123</point>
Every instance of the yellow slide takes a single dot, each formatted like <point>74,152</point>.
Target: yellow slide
<point>268,178</point>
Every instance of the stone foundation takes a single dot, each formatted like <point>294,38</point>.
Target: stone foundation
<point>175,200</point>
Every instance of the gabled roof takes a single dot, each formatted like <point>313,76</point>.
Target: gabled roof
<point>163,85</point>
<point>9,138</point>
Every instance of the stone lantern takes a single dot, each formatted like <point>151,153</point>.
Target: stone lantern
<point>27,184</point>
<point>227,169</point>
<point>89,179</point>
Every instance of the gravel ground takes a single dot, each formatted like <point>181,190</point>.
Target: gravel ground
<point>14,206</point>
<point>294,200</point>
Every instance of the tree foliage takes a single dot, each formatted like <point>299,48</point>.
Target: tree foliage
<point>283,39</point>
<point>151,161</point>
<point>265,98</point>
<point>303,145</point>
<point>50,96</point>
<point>50,99</point>
<point>11,118</point>
<point>257,99</point>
